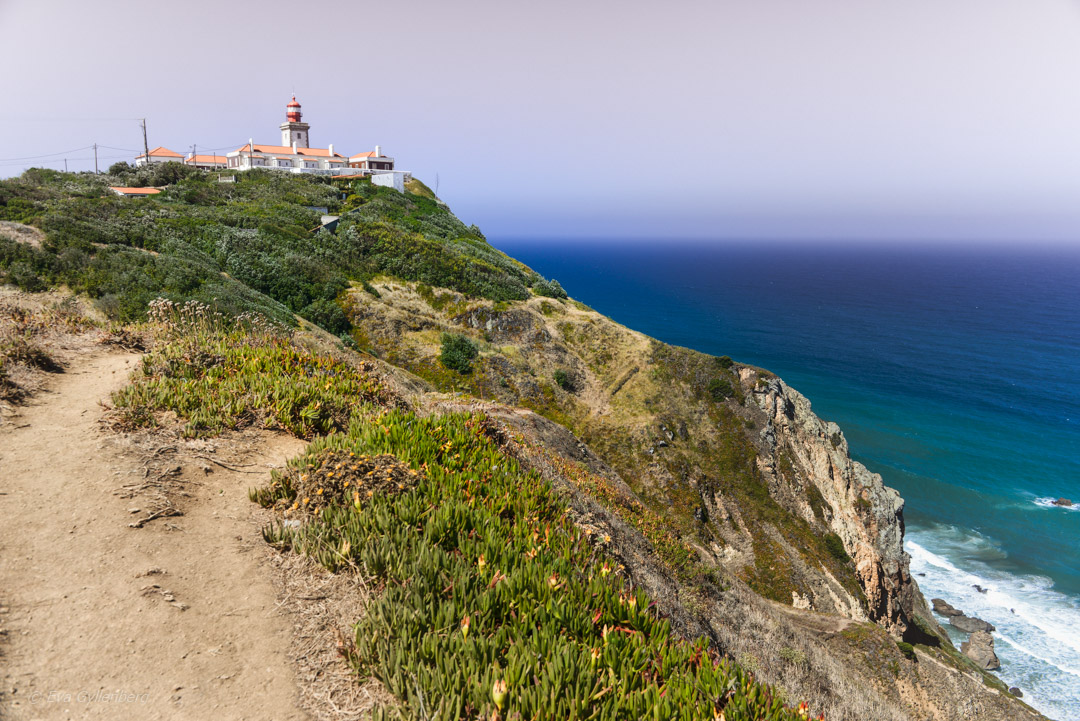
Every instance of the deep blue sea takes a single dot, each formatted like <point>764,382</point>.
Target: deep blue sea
<point>954,372</point>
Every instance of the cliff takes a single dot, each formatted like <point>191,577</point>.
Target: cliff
<point>866,514</point>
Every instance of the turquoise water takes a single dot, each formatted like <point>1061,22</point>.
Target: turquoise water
<point>954,372</point>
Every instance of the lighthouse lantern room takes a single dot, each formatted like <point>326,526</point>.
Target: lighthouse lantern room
<point>294,132</point>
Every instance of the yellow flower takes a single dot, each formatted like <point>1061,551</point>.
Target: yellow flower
<point>465,627</point>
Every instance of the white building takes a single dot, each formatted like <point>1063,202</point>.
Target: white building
<point>295,155</point>
<point>158,155</point>
<point>294,158</point>
<point>206,162</point>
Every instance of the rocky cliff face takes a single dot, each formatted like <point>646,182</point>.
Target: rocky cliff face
<point>866,514</point>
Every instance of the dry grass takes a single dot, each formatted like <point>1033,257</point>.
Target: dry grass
<point>323,607</point>
<point>39,334</point>
<point>759,636</point>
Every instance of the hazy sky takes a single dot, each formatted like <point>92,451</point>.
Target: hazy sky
<point>731,118</point>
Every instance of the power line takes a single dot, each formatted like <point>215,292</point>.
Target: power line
<point>57,161</point>
<point>50,155</point>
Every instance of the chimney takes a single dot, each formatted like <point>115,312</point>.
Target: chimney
<point>378,152</point>
<point>331,150</point>
<point>251,145</point>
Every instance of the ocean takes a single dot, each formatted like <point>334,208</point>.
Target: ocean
<point>954,372</point>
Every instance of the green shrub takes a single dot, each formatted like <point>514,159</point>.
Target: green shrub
<point>549,289</point>
<point>369,288</point>
<point>724,362</point>
<point>835,547</point>
<point>327,315</point>
<point>907,649</point>
<point>720,388</point>
<point>793,655</point>
<point>562,379</point>
<point>457,352</point>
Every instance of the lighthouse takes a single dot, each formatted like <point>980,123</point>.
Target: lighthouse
<point>294,132</point>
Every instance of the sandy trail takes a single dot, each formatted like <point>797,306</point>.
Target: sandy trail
<point>88,635</point>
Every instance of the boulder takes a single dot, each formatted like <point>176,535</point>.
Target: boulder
<point>1016,692</point>
<point>944,608</point>
<point>1063,502</point>
<point>980,649</point>
<point>970,624</point>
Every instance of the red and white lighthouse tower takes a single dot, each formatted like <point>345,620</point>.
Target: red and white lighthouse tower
<point>293,130</point>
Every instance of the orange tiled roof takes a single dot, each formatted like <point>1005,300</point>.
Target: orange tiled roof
<point>369,154</point>
<point>281,149</point>
<point>219,159</point>
<point>135,191</point>
<point>161,152</point>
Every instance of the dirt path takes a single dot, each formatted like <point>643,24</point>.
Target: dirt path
<point>175,620</point>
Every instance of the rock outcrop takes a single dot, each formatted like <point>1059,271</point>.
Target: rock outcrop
<point>980,649</point>
<point>971,624</point>
<point>944,608</point>
<point>862,510</point>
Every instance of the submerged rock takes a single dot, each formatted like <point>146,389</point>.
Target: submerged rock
<point>971,624</point>
<point>1063,502</point>
<point>980,649</point>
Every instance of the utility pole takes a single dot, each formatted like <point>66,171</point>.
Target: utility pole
<point>146,146</point>
<point>95,160</point>
<point>65,165</point>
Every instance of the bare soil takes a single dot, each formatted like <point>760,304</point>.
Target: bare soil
<point>107,615</point>
<point>21,233</point>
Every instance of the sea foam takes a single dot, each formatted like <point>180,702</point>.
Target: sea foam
<point>1038,627</point>
<point>1049,503</point>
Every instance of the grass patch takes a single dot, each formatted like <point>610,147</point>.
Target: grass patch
<point>217,379</point>
<point>835,547</point>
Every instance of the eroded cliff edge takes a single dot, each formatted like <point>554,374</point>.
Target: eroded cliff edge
<point>867,515</point>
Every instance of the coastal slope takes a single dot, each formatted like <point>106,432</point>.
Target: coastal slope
<point>722,494</point>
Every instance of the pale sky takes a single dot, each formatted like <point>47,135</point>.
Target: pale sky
<point>950,119</point>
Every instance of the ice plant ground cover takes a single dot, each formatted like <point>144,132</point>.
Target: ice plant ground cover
<point>492,603</point>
